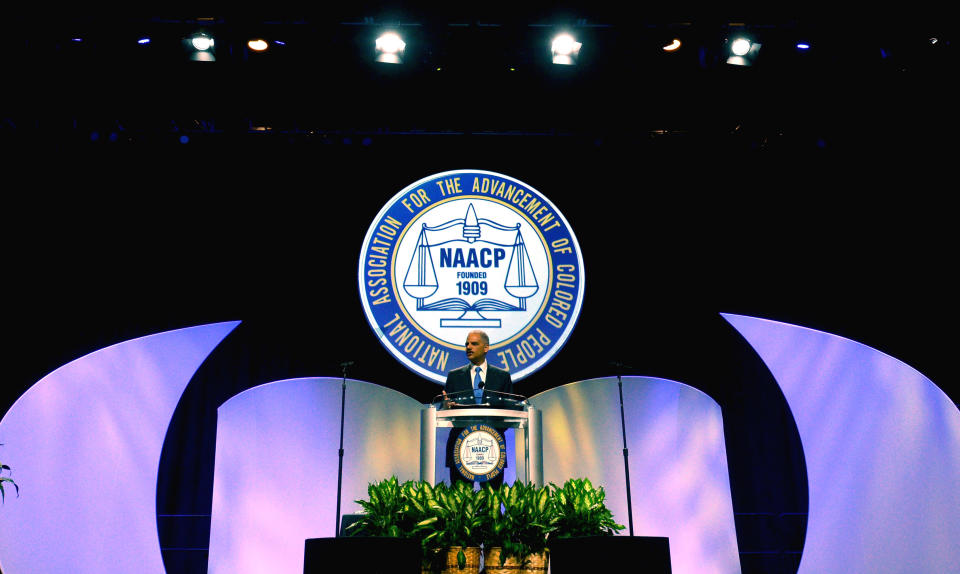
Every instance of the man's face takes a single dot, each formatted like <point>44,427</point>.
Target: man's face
<point>476,348</point>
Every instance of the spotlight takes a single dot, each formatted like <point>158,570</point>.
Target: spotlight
<point>672,46</point>
<point>202,43</point>
<point>201,47</point>
<point>565,50</point>
<point>740,47</point>
<point>743,52</point>
<point>803,46</point>
<point>258,45</point>
<point>390,48</point>
<point>143,41</point>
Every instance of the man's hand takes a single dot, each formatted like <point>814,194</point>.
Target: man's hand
<point>447,402</point>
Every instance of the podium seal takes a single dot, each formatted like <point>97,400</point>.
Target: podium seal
<point>464,250</point>
<point>479,453</point>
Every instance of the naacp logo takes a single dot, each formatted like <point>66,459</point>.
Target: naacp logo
<point>464,250</point>
<point>479,453</point>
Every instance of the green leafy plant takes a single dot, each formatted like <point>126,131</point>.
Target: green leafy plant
<point>580,510</point>
<point>455,517</point>
<point>8,480</point>
<point>438,517</point>
<point>519,519</point>
<point>382,511</point>
<point>417,499</point>
<point>417,519</point>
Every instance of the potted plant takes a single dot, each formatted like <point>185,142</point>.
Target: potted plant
<point>453,530</point>
<point>419,521</point>
<point>584,526</point>
<point>517,524</point>
<point>382,510</point>
<point>580,510</point>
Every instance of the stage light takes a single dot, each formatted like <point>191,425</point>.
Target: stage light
<point>143,41</point>
<point>390,47</point>
<point>202,43</point>
<point>740,47</point>
<point>743,52</point>
<point>565,50</point>
<point>803,46</point>
<point>201,47</point>
<point>673,46</point>
<point>258,45</point>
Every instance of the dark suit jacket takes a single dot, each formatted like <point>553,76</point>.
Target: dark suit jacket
<point>459,385</point>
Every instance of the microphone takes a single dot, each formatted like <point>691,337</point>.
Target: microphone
<point>346,364</point>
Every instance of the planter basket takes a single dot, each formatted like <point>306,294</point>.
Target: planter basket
<point>535,564</point>
<point>491,562</point>
<point>473,561</point>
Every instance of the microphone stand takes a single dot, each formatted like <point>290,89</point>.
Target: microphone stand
<point>343,403</point>
<point>626,453</point>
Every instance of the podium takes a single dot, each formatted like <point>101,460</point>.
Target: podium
<point>524,418</point>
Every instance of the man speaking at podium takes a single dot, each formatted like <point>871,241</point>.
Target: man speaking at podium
<point>478,377</point>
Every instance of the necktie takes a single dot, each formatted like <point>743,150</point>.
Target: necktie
<point>477,387</point>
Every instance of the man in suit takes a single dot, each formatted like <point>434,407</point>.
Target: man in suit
<point>480,378</point>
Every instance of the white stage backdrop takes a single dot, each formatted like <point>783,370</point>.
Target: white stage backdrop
<point>679,481</point>
<point>275,479</point>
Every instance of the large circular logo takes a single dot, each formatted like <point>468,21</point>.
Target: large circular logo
<point>479,453</point>
<point>465,250</point>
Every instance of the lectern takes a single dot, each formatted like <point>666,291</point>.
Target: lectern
<point>521,416</point>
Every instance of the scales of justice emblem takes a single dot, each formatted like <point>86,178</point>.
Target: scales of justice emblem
<point>485,269</point>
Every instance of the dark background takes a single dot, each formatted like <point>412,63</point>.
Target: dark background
<point>809,188</point>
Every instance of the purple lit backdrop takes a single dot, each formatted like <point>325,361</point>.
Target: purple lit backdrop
<point>85,442</point>
<point>882,447</point>
<point>275,480</point>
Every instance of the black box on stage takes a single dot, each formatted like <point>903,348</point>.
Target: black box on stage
<point>643,554</point>
<point>361,555</point>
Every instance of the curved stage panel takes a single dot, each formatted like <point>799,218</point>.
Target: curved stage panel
<point>275,476</point>
<point>882,448</point>
<point>84,443</point>
<point>680,485</point>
